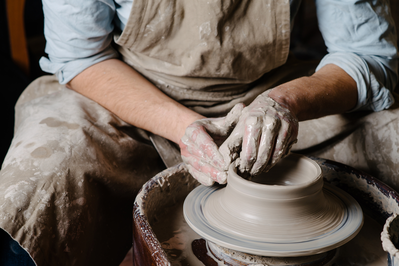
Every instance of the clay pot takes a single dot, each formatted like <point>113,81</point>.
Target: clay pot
<point>173,185</point>
<point>286,203</point>
<point>286,212</point>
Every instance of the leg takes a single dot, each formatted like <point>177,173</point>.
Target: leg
<point>69,180</point>
<point>366,141</point>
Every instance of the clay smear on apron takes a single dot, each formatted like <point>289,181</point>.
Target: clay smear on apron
<point>206,52</point>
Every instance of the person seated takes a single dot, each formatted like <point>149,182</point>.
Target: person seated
<point>214,77</point>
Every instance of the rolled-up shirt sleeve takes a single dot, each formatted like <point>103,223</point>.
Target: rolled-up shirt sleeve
<point>78,34</point>
<point>361,39</point>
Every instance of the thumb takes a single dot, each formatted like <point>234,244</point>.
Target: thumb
<point>224,125</point>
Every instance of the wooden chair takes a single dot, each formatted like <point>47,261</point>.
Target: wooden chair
<point>17,36</point>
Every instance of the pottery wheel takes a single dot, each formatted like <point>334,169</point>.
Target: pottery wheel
<point>330,226</point>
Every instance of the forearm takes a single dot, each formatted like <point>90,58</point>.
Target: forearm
<point>328,91</point>
<point>365,48</point>
<point>130,96</point>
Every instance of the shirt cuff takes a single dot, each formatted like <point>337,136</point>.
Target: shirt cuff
<point>66,71</point>
<point>372,94</point>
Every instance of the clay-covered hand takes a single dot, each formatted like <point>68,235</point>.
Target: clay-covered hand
<point>200,146</point>
<point>263,135</point>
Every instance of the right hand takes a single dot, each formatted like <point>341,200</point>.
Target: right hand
<point>200,146</point>
<point>264,134</point>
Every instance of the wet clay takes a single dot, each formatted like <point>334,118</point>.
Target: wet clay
<point>264,212</point>
<point>191,250</point>
<point>253,138</point>
<point>184,247</point>
<point>161,206</point>
<point>264,134</point>
<point>200,150</point>
<point>176,236</point>
<point>390,237</point>
<point>299,219</point>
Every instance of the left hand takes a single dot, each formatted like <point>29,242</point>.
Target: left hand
<point>200,146</point>
<point>264,134</point>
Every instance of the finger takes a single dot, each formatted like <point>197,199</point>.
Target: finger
<point>201,145</point>
<point>224,125</point>
<point>292,138</point>
<point>249,150</point>
<point>233,117</point>
<point>196,162</point>
<point>204,171</point>
<point>203,179</point>
<point>232,145</point>
<point>266,144</point>
<point>283,142</point>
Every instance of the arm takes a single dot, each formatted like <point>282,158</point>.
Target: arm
<point>259,135</point>
<point>362,56</point>
<point>126,93</point>
<point>361,39</point>
<point>328,91</point>
<point>79,34</point>
<point>359,73</point>
<point>268,127</point>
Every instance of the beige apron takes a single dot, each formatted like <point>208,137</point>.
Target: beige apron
<point>68,182</point>
<point>368,141</point>
<point>206,54</point>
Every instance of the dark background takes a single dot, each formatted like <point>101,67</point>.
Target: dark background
<point>12,80</point>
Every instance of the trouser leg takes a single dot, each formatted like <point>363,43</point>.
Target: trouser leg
<point>366,141</point>
<point>69,180</point>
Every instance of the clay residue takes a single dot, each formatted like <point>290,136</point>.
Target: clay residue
<point>248,259</point>
<point>80,201</point>
<point>176,236</point>
<point>264,134</point>
<point>265,219</point>
<point>19,143</point>
<point>53,122</point>
<point>31,144</point>
<point>200,147</point>
<point>178,241</point>
<point>19,193</point>
<point>41,153</point>
<point>386,238</point>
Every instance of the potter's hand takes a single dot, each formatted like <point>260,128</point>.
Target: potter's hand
<point>200,150</point>
<point>264,134</point>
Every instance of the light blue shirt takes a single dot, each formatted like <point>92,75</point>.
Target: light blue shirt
<point>359,35</point>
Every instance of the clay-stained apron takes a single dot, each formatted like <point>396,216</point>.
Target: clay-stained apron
<point>206,54</point>
<point>73,168</point>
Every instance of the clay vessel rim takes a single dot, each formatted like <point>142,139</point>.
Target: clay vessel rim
<point>234,177</point>
<point>351,225</point>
